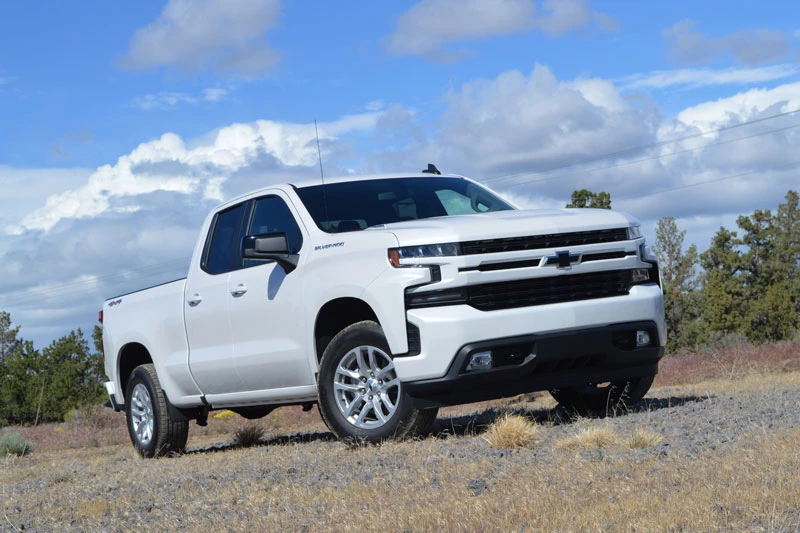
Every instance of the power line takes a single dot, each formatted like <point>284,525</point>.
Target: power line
<point>723,178</point>
<point>659,156</point>
<point>641,147</point>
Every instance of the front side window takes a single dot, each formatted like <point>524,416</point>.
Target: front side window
<point>222,254</point>
<point>272,215</point>
<point>355,205</point>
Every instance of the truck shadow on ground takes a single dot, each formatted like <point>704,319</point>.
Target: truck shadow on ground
<point>466,425</point>
<point>473,424</point>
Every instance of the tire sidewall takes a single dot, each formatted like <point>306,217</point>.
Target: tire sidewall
<point>140,375</point>
<point>365,333</point>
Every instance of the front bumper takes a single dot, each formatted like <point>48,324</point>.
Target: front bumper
<point>444,331</point>
<point>540,362</point>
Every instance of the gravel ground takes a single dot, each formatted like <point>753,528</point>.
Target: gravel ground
<point>46,492</point>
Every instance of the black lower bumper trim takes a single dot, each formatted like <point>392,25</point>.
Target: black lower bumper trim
<point>541,362</point>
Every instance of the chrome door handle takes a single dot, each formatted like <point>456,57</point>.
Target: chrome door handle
<point>240,289</point>
<point>194,300</point>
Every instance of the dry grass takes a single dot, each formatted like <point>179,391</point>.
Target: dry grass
<point>601,437</point>
<point>643,438</point>
<point>732,363</point>
<point>249,435</point>
<point>85,476</point>
<point>511,431</point>
<point>412,486</point>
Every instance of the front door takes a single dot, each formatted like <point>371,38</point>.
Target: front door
<point>266,311</point>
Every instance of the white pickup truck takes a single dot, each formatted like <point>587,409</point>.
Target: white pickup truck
<point>381,299</point>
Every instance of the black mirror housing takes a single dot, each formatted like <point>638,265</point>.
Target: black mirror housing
<point>270,247</point>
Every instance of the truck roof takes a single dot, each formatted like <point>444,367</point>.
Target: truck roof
<point>367,177</point>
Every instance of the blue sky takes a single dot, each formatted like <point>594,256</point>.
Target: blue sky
<point>121,124</point>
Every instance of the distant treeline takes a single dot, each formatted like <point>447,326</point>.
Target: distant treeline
<point>744,288</point>
<point>43,386</point>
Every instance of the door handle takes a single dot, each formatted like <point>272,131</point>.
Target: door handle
<point>240,289</point>
<point>194,300</point>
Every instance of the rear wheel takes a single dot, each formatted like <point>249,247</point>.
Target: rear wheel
<point>360,395</point>
<point>152,431</point>
<point>601,399</point>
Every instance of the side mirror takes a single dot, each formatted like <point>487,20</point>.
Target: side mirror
<point>270,247</point>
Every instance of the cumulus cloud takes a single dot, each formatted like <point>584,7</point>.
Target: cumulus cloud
<point>226,36</point>
<point>168,164</point>
<point>166,100</point>
<point>431,25</point>
<point>751,47</point>
<point>518,123</point>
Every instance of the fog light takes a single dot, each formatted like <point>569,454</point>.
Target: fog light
<point>480,361</point>
<point>642,339</point>
<point>639,275</point>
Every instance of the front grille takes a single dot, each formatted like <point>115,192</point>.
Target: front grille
<point>542,291</point>
<point>535,242</point>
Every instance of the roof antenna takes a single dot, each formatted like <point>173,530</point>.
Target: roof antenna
<point>432,170</point>
<point>321,175</point>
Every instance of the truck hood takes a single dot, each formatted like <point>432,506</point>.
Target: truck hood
<point>502,224</point>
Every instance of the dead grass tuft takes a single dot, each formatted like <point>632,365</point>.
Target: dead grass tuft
<point>590,438</point>
<point>511,431</point>
<point>643,438</point>
<point>248,435</point>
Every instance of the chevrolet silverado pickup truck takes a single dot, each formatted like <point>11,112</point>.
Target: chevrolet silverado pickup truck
<point>381,299</point>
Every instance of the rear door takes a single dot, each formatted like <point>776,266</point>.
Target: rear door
<point>206,302</point>
<point>266,310</point>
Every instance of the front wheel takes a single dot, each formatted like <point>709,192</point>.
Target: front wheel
<point>360,395</point>
<point>602,399</point>
<point>153,432</point>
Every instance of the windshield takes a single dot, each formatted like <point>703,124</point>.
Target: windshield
<point>355,205</point>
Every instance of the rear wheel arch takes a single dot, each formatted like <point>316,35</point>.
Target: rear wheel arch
<point>337,315</point>
<point>131,356</point>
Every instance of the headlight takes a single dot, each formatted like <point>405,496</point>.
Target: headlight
<point>423,251</point>
<point>634,232</point>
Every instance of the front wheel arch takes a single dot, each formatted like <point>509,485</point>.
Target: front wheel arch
<point>356,364</point>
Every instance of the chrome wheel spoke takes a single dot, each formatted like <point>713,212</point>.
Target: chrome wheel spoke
<point>393,383</point>
<point>362,363</point>
<point>349,387</point>
<point>357,400</point>
<point>348,373</point>
<point>384,371</point>
<point>376,406</point>
<point>363,414</point>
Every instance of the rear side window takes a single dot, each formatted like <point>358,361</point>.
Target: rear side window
<point>223,254</point>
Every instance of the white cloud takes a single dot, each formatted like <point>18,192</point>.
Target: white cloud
<point>165,100</point>
<point>749,47</point>
<point>166,164</point>
<point>743,106</point>
<point>226,36</point>
<point>431,25</point>
<point>704,77</point>
<point>519,123</point>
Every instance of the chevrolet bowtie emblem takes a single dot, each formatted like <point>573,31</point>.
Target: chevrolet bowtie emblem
<point>563,259</point>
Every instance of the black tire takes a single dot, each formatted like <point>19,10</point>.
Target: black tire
<point>594,400</point>
<point>145,403</point>
<point>355,401</point>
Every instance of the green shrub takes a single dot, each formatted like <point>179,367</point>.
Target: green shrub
<point>13,443</point>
